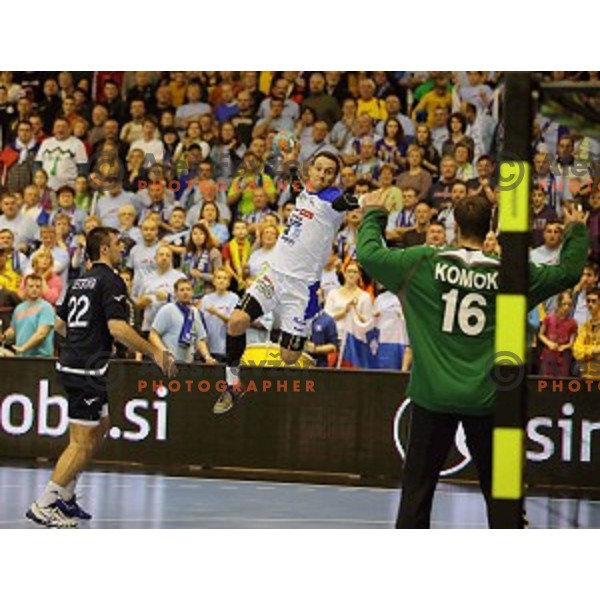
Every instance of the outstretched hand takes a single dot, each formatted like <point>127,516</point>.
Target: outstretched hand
<point>575,216</point>
<point>377,198</point>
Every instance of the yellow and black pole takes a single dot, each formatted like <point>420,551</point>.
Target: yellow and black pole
<point>508,464</point>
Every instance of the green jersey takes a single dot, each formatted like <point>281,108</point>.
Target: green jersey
<point>449,300</point>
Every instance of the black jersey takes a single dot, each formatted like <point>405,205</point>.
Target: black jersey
<point>91,301</point>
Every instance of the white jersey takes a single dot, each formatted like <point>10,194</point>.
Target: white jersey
<point>303,248</point>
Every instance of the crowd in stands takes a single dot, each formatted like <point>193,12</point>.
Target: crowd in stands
<point>192,169</point>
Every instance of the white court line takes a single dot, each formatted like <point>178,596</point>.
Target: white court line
<point>213,480</point>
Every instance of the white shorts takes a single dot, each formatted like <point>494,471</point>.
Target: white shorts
<point>293,301</point>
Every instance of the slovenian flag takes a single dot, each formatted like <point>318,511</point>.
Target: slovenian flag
<point>358,346</point>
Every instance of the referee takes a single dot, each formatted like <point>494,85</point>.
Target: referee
<point>93,315</point>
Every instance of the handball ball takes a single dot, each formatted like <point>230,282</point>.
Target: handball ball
<point>284,141</point>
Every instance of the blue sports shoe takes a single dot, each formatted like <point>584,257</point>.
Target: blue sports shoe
<point>71,509</point>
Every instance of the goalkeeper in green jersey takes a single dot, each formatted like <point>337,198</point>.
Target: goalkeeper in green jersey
<point>449,299</point>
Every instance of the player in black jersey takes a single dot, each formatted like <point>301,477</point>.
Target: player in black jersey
<point>93,315</point>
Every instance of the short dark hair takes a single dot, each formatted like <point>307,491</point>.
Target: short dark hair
<point>595,291</point>
<point>330,156</point>
<point>37,277</point>
<point>181,281</point>
<point>473,215</point>
<point>99,236</point>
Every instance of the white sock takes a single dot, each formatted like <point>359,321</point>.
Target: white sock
<point>70,488</point>
<point>231,375</point>
<point>52,492</point>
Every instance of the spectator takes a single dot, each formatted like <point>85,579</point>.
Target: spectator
<point>177,327</point>
<point>439,128</point>
<point>476,92</point>
<point>116,107</point>
<point>9,279</point>
<point>200,259</point>
<point>192,139</point>
<point>62,156</point>
<point>368,164</point>
<point>142,258</point>
<point>436,235</point>
<point>403,220</point>
<point>227,108</point>
<point>387,174</point>
<point>325,106</point>
<point>343,131</point>
<point>107,204</point>
<point>50,106</point>
<point>464,162</point>
<point>392,147</point>
<point>548,253</point>
<point>245,119</point>
<point>318,143</point>
<point>368,103</point>
<point>330,276</point>
<point>37,128</point>
<point>457,128</point>
<point>133,130</point>
<point>446,214</point>
<point>17,260</point>
<point>586,349</point>
<point>24,229</point>
<point>250,177</point>
<point>216,308</point>
<point>346,238</point>
<point>337,85</point>
<point>394,108</point>
<point>364,128</point>
<point>440,192</point>
<point>261,255</point>
<point>226,154</point>
<point>99,118</point>
<point>416,236</point>
<point>274,121</point>
<point>61,257</point>
<point>16,160</point>
<point>150,143</point>
<point>156,290</point>
<point>209,213</point>
<point>42,265</point>
<point>66,205</point>
<point>558,332</point>
<point>416,177</point>
<point>431,157</point>
<point>236,254</point>
<point>83,198</point>
<point>588,281</point>
<point>484,183</point>
<point>141,90</point>
<point>323,342</point>
<point>110,150</point>
<point>193,109</point>
<point>349,301</point>
<point>9,300</point>
<point>438,97</point>
<point>259,211</point>
<point>130,233</point>
<point>279,90</point>
<point>593,225</point>
<point>32,206</point>
<point>32,323</point>
<point>541,214</point>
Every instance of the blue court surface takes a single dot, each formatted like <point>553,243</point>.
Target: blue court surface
<point>131,501</point>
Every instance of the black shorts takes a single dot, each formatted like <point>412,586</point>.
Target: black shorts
<point>87,397</point>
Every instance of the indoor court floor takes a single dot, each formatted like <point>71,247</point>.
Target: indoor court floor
<point>131,501</point>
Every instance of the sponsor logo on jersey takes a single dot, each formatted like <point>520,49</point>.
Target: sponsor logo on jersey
<point>459,456</point>
<point>265,286</point>
<point>306,213</point>
<point>88,283</point>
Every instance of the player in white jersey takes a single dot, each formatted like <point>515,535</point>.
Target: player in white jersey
<point>288,287</point>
